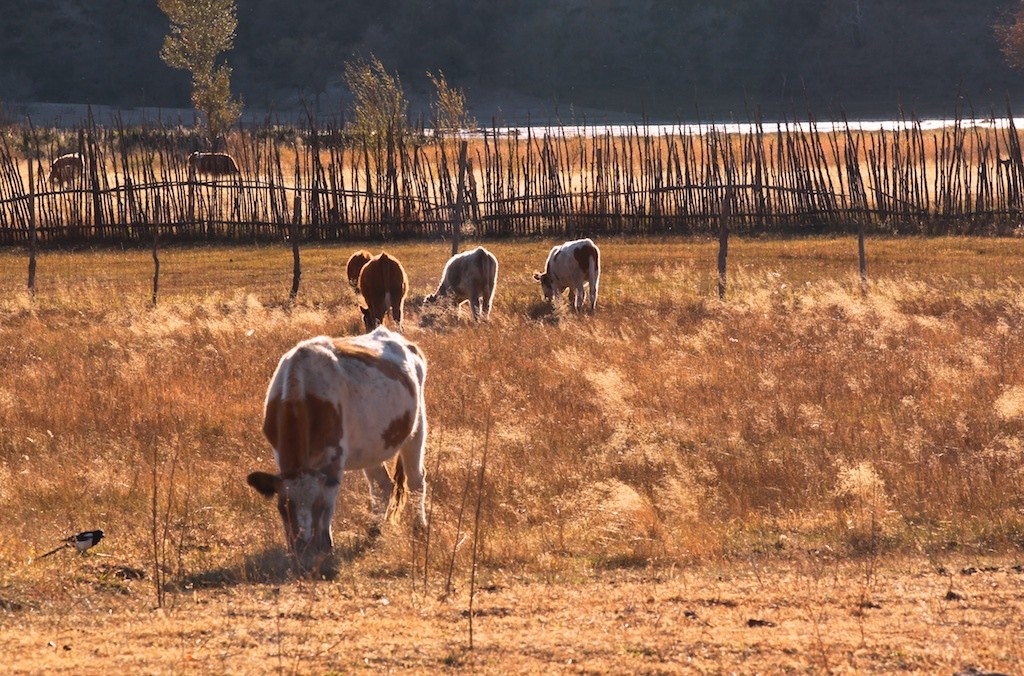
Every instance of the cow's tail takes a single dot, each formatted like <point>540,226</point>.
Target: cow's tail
<point>399,494</point>
<point>488,276</point>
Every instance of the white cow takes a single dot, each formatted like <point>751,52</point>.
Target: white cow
<point>471,275</point>
<point>337,404</point>
<point>569,266</point>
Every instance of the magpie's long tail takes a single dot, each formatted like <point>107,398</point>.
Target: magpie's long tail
<point>53,551</point>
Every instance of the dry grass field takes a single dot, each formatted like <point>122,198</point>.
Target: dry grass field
<point>799,478</point>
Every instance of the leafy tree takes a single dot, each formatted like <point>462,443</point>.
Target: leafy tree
<point>381,113</point>
<point>1010,34</point>
<point>449,107</point>
<point>201,30</point>
<point>380,107</point>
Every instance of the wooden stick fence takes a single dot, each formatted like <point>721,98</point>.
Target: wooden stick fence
<point>798,178</point>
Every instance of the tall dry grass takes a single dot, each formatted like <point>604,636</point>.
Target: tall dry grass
<point>668,428</point>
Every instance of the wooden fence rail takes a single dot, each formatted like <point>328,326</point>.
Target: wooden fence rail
<point>962,178</point>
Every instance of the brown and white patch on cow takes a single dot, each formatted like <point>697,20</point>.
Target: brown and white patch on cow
<point>346,349</point>
<point>398,430</point>
<point>585,256</point>
<point>301,431</point>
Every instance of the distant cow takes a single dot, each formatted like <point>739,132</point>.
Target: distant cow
<point>471,276</point>
<point>569,266</point>
<point>355,265</point>
<point>383,283</point>
<point>212,164</point>
<point>339,404</point>
<point>66,169</point>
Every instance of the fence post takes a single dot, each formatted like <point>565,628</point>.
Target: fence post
<point>863,257</point>
<point>99,222</point>
<point>723,239</point>
<point>192,221</point>
<point>460,198</point>
<point>293,233</point>
<point>32,230</point>
<point>156,258</point>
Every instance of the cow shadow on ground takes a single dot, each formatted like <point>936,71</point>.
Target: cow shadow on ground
<point>276,565</point>
<point>440,317</point>
<point>546,312</point>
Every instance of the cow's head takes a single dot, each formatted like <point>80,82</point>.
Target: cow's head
<point>546,284</point>
<point>369,321</point>
<point>306,502</point>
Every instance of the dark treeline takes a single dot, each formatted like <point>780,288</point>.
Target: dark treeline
<point>629,56</point>
<point>323,185</point>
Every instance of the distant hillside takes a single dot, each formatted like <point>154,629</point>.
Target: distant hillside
<point>662,57</point>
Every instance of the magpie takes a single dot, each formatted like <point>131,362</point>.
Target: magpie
<point>80,541</point>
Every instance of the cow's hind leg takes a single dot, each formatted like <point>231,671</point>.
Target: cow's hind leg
<point>488,298</point>
<point>396,314</point>
<point>380,492</point>
<point>578,298</point>
<point>412,453</point>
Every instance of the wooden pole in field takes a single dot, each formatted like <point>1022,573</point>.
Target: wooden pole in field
<point>156,257</point>
<point>293,233</point>
<point>99,222</point>
<point>32,230</point>
<point>863,257</point>
<point>460,198</point>
<point>723,239</point>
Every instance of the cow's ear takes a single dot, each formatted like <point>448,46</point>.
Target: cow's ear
<point>267,485</point>
<point>538,275</point>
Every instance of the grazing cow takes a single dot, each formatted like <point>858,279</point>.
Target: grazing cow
<point>471,276</point>
<point>212,164</point>
<point>383,282</point>
<point>355,265</point>
<point>338,404</point>
<point>569,266</point>
<point>66,168</point>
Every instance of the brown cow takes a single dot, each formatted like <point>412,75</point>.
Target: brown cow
<point>383,283</point>
<point>355,265</point>
<point>66,168</point>
<point>212,164</point>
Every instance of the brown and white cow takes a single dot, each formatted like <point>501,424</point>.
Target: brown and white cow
<point>66,168</point>
<point>382,282</point>
<point>569,266</point>
<point>355,264</point>
<point>471,276</point>
<point>339,404</point>
<point>212,164</point>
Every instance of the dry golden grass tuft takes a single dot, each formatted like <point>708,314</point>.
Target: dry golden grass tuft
<point>656,475</point>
